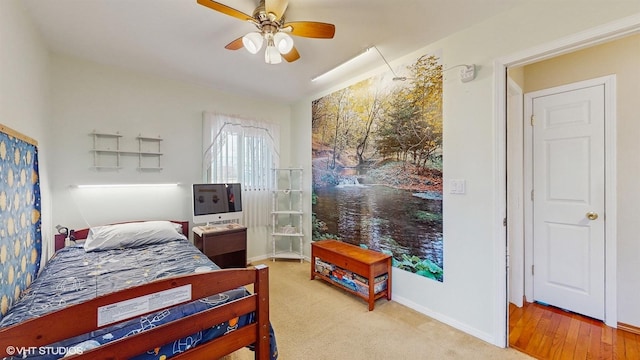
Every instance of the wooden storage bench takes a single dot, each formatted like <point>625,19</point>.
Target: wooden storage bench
<point>366,263</point>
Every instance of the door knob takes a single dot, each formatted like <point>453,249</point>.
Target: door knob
<point>592,215</point>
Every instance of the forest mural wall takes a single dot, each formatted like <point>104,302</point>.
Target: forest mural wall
<point>377,166</point>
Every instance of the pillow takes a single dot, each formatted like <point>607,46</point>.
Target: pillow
<point>130,235</point>
<point>178,227</point>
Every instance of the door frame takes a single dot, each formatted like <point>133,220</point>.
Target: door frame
<point>515,200</point>
<point>610,195</point>
<point>594,36</point>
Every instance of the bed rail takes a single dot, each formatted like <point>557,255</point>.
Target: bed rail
<point>83,318</point>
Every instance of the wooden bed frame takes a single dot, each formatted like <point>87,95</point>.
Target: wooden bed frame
<point>83,318</point>
<point>83,233</point>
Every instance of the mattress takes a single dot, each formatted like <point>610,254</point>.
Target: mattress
<point>73,276</point>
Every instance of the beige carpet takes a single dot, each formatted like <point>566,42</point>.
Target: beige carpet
<point>316,321</point>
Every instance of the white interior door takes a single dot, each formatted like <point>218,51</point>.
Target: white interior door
<point>568,199</point>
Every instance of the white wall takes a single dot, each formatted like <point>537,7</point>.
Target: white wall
<point>87,96</point>
<point>24,91</point>
<point>471,294</point>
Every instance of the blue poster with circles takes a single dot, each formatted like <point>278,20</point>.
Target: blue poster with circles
<point>20,220</point>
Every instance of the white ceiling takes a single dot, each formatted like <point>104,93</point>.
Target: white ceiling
<point>182,40</point>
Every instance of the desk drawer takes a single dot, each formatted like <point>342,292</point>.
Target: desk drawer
<point>222,244</point>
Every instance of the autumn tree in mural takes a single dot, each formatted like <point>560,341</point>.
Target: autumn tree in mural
<point>377,166</point>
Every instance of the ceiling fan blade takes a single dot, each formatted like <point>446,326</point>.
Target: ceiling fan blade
<point>292,55</point>
<point>311,29</point>
<point>278,7</point>
<point>235,44</point>
<point>225,9</point>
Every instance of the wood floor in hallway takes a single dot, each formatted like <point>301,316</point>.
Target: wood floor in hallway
<point>546,332</point>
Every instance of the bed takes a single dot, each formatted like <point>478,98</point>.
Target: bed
<point>154,298</point>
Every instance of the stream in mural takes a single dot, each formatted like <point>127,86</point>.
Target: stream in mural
<point>390,220</point>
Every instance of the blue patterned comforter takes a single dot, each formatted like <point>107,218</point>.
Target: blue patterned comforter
<point>73,276</point>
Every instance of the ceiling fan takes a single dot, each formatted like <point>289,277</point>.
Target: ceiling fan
<point>269,18</point>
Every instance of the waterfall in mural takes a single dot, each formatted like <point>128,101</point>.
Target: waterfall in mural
<point>377,166</point>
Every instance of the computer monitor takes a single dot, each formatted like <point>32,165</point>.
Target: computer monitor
<point>216,203</point>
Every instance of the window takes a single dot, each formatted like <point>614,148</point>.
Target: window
<point>243,151</point>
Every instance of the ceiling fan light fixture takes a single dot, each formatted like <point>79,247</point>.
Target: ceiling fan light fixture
<point>272,55</point>
<point>269,18</point>
<point>253,42</point>
<point>283,42</point>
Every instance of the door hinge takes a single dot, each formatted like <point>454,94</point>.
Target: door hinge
<point>533,120</point>
<point>504,222</point>
<point>532,272</point>
<point>531,195</point>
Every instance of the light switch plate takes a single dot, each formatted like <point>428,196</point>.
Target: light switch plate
<point>457,186</point>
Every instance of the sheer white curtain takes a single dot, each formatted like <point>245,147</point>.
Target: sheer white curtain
<point>242,150</point>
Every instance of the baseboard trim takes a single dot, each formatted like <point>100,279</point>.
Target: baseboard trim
<point>629,328</point>
<point>263,258</point>
<point>449,321</point>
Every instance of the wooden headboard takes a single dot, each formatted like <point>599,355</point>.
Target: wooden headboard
<point>83,233</point>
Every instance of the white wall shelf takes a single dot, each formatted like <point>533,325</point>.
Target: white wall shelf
<point>286,214</point>
<point>149,154</point>
<point>107,151</point>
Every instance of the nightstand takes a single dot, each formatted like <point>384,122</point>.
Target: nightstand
<point>225,246</point>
